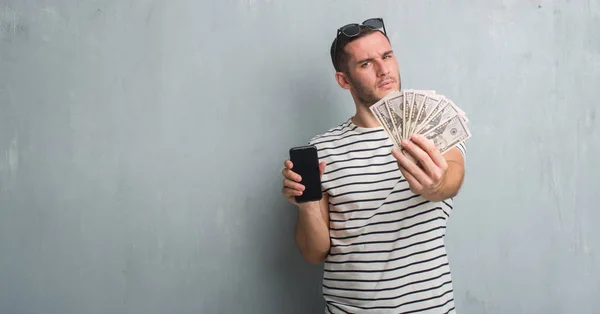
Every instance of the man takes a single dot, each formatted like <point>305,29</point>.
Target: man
<point>380,225</point>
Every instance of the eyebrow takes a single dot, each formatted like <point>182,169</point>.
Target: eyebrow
<point>371,59</point>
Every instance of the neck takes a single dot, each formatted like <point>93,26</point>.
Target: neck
<point>364,118</point>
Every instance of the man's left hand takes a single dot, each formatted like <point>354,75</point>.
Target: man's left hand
<point>426,177</point>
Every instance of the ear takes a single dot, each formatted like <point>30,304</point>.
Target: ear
<point>342,80</point>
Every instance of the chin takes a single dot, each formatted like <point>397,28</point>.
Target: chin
<point>387,91</point>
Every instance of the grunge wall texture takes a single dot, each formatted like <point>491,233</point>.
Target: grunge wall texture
<point>141,144</point>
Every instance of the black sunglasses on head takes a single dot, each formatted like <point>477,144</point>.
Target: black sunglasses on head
<point>353,29</point>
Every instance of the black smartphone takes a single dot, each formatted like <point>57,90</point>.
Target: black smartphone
<point>306,163</point>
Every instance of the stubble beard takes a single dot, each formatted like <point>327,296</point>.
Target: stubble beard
<point>366,96</point>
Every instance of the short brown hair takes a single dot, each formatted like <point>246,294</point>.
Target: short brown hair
<point>340,64</point>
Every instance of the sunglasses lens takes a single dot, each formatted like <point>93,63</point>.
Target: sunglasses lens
<point>351,30</point>
<point>373,23</point>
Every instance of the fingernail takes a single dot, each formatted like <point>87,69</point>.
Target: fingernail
<point>404,142</point>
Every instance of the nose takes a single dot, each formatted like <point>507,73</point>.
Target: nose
<point>382,70</point>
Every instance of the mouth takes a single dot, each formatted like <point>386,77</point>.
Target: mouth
<point>386,84</point>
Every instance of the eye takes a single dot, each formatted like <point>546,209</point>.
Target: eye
<point>364,64</point>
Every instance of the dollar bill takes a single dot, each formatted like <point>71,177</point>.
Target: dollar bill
<point>409,97</point>
<point>430,103</point>
<point>394,117</point>
<point>381,112</point>
<point>460,111</point>
<point>448,134</point>
<point>440,116</point>
<point>396,107</point>
<point>419,100</point>
<point>414,109</point>
<point>447,112</point>
<point>440,106</point>
<point>403,113</point>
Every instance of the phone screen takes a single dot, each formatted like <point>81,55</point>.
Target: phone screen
<point>306,163</point>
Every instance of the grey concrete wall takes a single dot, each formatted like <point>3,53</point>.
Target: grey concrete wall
<point>141,144</point>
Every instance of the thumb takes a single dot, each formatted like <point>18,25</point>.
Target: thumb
<point>322,168</point>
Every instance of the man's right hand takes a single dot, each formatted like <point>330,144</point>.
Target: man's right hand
<point>291,181</point>
<point>312,228</point>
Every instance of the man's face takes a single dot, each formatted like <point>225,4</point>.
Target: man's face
<point>373,68</point>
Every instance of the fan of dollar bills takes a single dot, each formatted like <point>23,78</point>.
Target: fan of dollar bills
<point>403,113</point>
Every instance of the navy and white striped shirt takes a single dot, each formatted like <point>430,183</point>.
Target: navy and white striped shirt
<point>387,253</point>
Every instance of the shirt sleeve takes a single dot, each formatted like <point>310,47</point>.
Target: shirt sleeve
<point>462,147</point>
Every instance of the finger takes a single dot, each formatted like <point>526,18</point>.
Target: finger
<point>396,153</point>
<point>404,159</point>
<point>412,168</point>
<point>293,185</point>
<point>289,174</point>
<point>420,155</point>
<point>401,158</point>
<point>322,167</point>
<point>429,147</point>
<point>435,172</point>
<point>414,184</point>
<point>289,193</point>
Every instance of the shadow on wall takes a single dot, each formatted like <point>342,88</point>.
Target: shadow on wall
<point>314,102</point>
<point>310,113</point>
